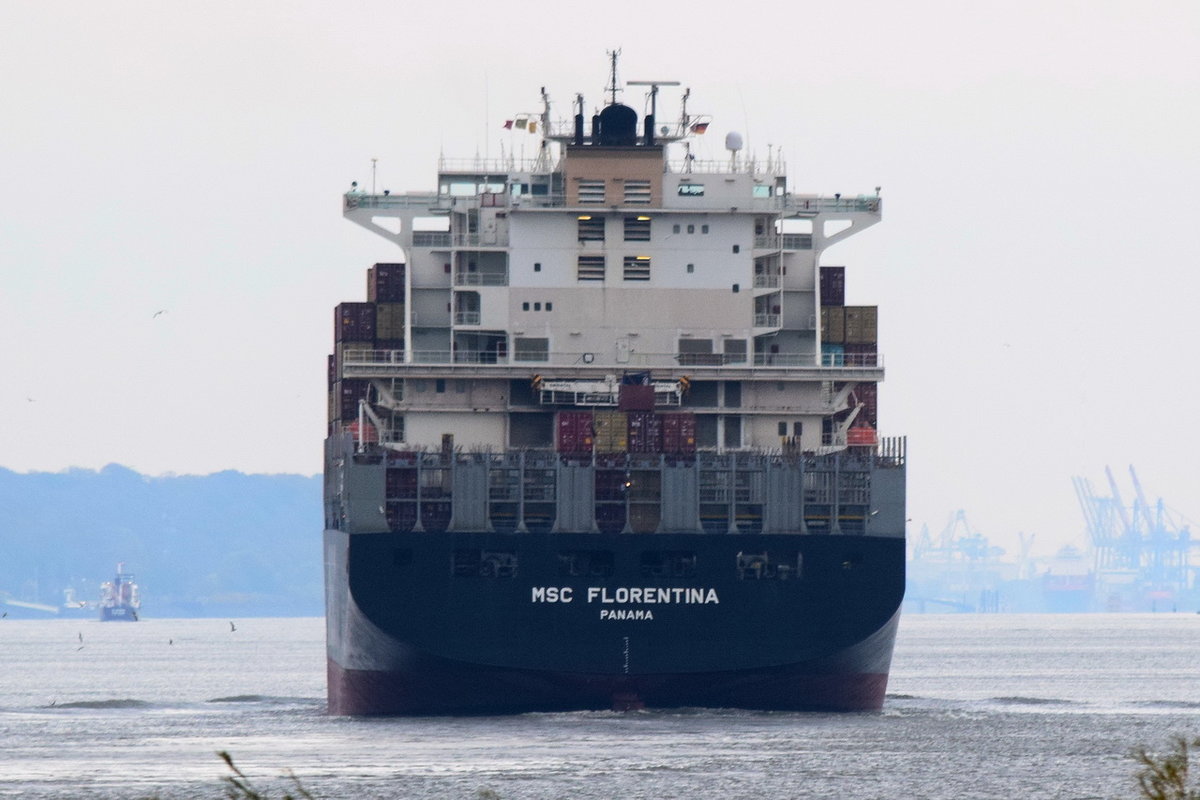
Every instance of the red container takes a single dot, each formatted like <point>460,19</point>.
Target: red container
<point>861,355</point>
<point>635,398</point>
<point>868,395</point>
<point>354,322</point>
<point>573,432</point>
<point>645,431</point>
<point>385,283</point>
<point>678,433</point>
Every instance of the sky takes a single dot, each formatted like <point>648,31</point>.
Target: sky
<point>171,240</point>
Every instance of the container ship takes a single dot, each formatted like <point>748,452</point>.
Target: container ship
<point>605,436</point>
<point>120,599</point>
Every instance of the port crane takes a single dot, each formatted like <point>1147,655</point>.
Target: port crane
<point>1141,550</point>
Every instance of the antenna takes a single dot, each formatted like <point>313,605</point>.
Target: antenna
<point>612,86</point>
<point>653,90</point>
<point>653,104</point>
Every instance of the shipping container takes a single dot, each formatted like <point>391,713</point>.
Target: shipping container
<point>610,431</point>
<point>349,346</point>
<point>573,432</point>
<point>862,324</point>
<point>635,397</point>
<point>389,344</point>
<point>389,320</point>
<point>611,485</point>
<point>833,355</point>
<point>645,431</point>
<point>401,484</point>
<point>346,394</point>
<point>833,324</point>
<point>868,395</point>
<point>385,283</point>
<point>862,355</point>
<point>678,433</point>
<point>833,286</point>
<point>354,321</point>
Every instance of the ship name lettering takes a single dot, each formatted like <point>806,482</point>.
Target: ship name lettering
<point>552,594</point>
<point>650,595</point>
<point>626,613</point>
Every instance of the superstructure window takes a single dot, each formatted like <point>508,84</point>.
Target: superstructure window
<point>591,192</point>
<point>531,349</point>
<point>590,268</point>
<point>636,268</point>
<point>637,193</point>
<point>637,229</point>
<point>691,190</point>
<point>735,351</point>
<point>591,229</point>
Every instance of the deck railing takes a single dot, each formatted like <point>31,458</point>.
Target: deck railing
<point>718,361</point>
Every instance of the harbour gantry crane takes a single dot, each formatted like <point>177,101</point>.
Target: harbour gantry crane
<point>1141,544</point>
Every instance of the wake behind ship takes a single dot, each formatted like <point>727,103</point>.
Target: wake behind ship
<point>606,437</point>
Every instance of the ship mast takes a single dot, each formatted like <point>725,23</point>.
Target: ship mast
<point>612,86</point>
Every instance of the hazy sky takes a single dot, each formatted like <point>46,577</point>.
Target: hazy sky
<point>1037,268</point>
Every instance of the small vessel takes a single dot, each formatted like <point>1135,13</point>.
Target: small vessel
<point>120,599</point>
<point>606,437</point>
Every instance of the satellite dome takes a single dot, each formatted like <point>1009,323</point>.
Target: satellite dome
<point>733,141</point>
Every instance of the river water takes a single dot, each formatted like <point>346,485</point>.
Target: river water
<point>979,706</point>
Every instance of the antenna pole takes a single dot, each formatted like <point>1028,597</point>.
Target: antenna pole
<point>612,54</point>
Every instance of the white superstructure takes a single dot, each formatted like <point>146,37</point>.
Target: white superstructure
<point>614,252</point>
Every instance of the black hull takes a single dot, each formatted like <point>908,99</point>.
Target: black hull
<point>411,631</point>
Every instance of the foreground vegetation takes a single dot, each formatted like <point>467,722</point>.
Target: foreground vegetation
<point>1163,776</point>
<point>1166,777</point>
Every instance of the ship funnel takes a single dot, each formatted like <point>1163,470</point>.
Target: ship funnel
<point>618,126</point>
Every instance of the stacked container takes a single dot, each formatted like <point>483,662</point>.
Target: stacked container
<point>385,283</point>
<point>679,433</point>
<point>389,321</point>
<point>377,324</point>
<point>611,431</point>
<point>833,324</point>
<point>833,286</point>
<point>573,432</point>
<point>354,322</point>
<point>645,432</point>
<point>862,324</point>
